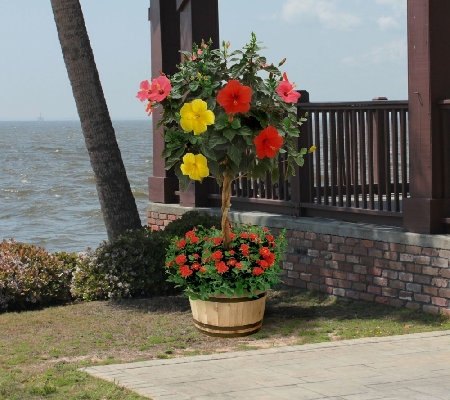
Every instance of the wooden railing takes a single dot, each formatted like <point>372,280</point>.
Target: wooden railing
<point>359,171</point>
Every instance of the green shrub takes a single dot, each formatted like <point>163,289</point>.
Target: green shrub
<point>31,277</point>
<point>190,219</point>
<point>130,266</point>
<point>133,264</point>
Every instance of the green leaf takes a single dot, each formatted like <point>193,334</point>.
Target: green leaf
<point>193,86</point>
<point>221,121</point>
<point>229,134</point>
<point>208,152</point>
<point>216,139</point>
<point>236,123</point>
<point>235,153</point>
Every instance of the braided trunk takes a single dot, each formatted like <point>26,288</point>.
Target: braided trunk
<point>226,204</point>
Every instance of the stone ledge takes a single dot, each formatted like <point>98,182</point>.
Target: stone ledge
<point>390,234</point>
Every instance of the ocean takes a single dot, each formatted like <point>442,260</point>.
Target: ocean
<point>47,189</point>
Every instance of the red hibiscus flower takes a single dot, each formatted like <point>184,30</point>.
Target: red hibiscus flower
<point>286,90</point>
<point>235,97</point>
<point>268,142</point>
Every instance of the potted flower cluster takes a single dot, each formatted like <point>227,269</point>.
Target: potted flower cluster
<point>226,114</point>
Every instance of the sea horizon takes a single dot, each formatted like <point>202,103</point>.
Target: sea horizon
<point>48,196</point>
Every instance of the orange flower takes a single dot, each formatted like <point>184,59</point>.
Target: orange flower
<point>257,271</point>
<point>235,97</point>
<point>268,142</point>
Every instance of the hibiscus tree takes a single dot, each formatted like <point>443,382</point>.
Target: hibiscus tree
<point>227,115</point>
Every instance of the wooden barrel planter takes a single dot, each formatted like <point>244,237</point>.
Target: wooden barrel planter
<point>229,316</point>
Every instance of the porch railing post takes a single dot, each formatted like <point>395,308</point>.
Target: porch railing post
<point>302,183</point>
<point>429,84</point>
<point>379,151</point>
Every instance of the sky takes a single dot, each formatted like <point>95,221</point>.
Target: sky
<point>338,50</point>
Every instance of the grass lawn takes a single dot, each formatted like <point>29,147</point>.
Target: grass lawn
<point>41,351</point>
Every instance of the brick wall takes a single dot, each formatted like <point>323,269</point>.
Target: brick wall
<point>355,261</point>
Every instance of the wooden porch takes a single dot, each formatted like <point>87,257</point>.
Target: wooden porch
<point>383,162</point>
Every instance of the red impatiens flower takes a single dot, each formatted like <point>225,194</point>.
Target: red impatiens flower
<point>270,238</point>
<point>185,271</point>
<point>268,256</point>
<point>192,236</point>
<point>253,237</point>
<point>235,97</point>
<point>196,266</point>
<point>217,255</point>
<point>286,90</point>
<point>180,259</point>
<point>268,142</point>
<point>181,244</point>
<point>232,262</point>
<point>244,248</point>
<point>221,267</point>
<point>217,240</point>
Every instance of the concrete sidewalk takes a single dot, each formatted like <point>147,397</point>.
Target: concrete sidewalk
<point>412,367</point>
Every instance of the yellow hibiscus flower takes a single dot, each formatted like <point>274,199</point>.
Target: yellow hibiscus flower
<point>196,117</point>
<point>195,165</point>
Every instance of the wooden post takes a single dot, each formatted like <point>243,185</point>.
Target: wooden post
<point>429,84</point>
<point>302,183</point>
<point>165,46</point>
<point>199,20</point>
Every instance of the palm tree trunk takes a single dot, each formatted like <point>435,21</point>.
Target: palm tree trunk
<point>116,198</point>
